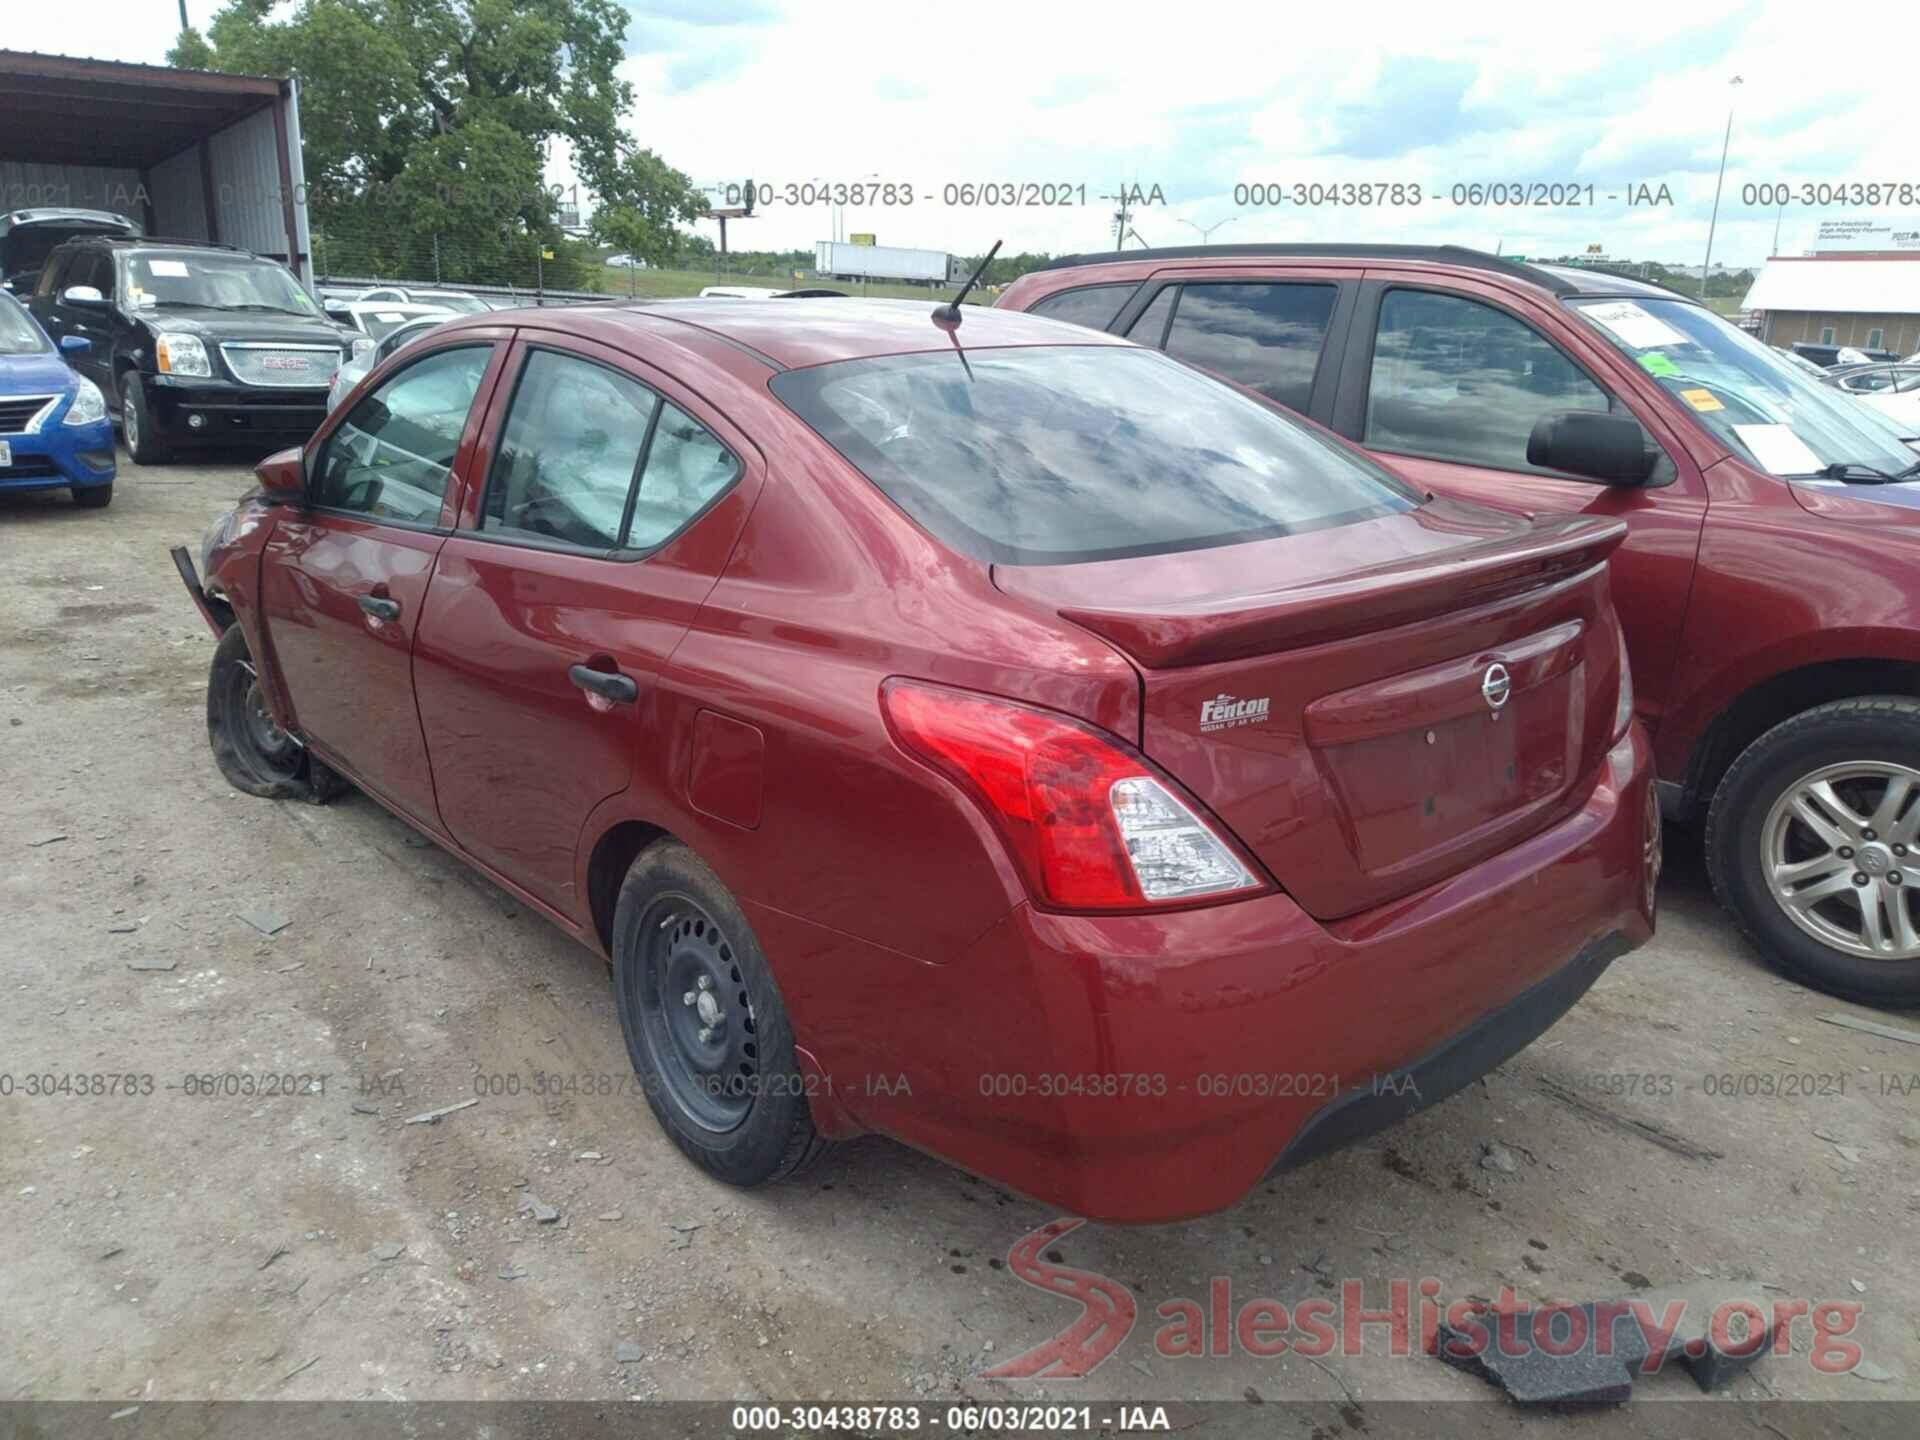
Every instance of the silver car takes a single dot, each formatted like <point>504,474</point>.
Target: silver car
<point>391,335</point>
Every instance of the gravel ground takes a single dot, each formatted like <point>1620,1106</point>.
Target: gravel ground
<point>169,1245</point>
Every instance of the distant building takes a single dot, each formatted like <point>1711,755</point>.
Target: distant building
<point>1870,299</point>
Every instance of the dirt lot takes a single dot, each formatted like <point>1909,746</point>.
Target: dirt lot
<point>165,1244</point>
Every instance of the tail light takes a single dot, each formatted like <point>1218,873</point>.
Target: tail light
<point>1092,824</point>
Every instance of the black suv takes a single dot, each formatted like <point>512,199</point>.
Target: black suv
<point>27,237</point>
<point>193,343</point>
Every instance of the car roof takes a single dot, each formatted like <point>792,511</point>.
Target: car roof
<point>788,334</point>
<point>1558,280</point>
<point>157,242</point>
<point>412,309</point>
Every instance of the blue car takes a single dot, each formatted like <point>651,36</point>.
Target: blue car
<point>54,429</point>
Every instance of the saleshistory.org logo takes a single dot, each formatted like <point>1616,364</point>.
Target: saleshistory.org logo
<point>1320,1325</point>
<point>1107,1311</point>
<point>1224,712</point>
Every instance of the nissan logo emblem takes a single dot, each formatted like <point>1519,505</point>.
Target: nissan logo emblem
<point>1496,685</point>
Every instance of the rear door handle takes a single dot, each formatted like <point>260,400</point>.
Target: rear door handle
<point>380,607</point>
<point>611,685</point>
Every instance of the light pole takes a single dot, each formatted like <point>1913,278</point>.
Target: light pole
<point>1206,231</point>
<point>1725,141</point>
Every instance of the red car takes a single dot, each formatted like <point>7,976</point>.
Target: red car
<point>1769,583</point>
<point>997,736</point>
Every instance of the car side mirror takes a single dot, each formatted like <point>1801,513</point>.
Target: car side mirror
<point>1593,443</point>
<point>283,477</point>
<point>85,296</point>
<point>75,344</point>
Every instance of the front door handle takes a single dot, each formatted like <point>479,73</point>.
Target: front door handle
<point>380,607</point>
<point>610,685</point>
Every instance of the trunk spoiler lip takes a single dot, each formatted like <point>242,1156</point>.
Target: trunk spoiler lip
<point>1211,629</point>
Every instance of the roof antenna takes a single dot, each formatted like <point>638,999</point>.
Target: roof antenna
<point>948,315</point>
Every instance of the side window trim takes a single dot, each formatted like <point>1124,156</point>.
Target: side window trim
<point>1356,380</point>
<point>477,406</point>
<point>619,552</point>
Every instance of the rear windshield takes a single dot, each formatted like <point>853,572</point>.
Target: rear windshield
<point>1052,454</point>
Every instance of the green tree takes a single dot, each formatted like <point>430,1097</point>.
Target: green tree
<point>641,210</point>
<point>191,52</point>
<point>427,124</point>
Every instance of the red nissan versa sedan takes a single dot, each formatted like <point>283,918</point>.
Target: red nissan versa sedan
<point>1002,737</point>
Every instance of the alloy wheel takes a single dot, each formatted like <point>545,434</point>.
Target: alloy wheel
<point>1841,852</point>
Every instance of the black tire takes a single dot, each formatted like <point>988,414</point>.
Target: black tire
<point>1878,730</point>
<point>254,754</point>
<point>93,497</point>
<point>136,423</point>
<point>734,1104</point>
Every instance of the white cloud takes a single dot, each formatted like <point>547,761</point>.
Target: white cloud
<point>1205,95</point>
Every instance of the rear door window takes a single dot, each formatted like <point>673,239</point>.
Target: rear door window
<point>574,438</point>
<point>1093,306</point>
<point>1457,380</point>
<point>593,459</point>
<point>1267,337</point>
<point>1047,454</point>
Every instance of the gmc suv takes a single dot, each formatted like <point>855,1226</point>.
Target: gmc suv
<point>1769,585</point>
<point>193,343</point>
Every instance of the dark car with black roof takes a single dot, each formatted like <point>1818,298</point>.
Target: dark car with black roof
<point>1769,585</point>
<point>194,343</point>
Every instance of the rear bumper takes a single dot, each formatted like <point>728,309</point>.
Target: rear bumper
<point>240,414</point>
<point>1151,1068</point>
<point>60,455</point>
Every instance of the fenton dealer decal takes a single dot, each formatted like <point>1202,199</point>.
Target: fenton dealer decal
<point>1224,712</point>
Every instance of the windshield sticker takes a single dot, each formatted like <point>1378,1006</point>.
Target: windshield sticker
<point>1657,363</point>
<point>1633,326</point>
<point>1701,400</point>
<point>389,317</point>
<point>173,269</point>
<point>1778,449</point>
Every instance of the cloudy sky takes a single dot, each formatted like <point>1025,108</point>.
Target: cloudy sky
<point>1199,98</point>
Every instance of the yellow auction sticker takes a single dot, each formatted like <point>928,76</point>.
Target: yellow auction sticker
<point>1701,400</point>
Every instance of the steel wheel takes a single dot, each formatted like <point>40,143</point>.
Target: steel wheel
<point>1841,849</point>
<point>695,1017</point>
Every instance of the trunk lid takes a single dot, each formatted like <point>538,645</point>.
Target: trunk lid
<point>1372,707</point>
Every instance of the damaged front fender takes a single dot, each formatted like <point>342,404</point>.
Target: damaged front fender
<point>215,611</point>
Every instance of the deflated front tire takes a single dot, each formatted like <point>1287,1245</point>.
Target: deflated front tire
<point>252,751</point>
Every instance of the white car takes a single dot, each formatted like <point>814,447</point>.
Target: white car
<point>456,300</point>
<point>393,338</point>
<point>1902,406</point>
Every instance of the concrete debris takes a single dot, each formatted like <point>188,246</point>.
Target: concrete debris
<point>267,922</point>
<point>428,1117</point>
<point>1532,1375</point>
<point>1495,1156</point>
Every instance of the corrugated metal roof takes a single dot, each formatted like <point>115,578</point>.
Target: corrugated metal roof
<point>56,110</point>
<point>1834,285</point>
